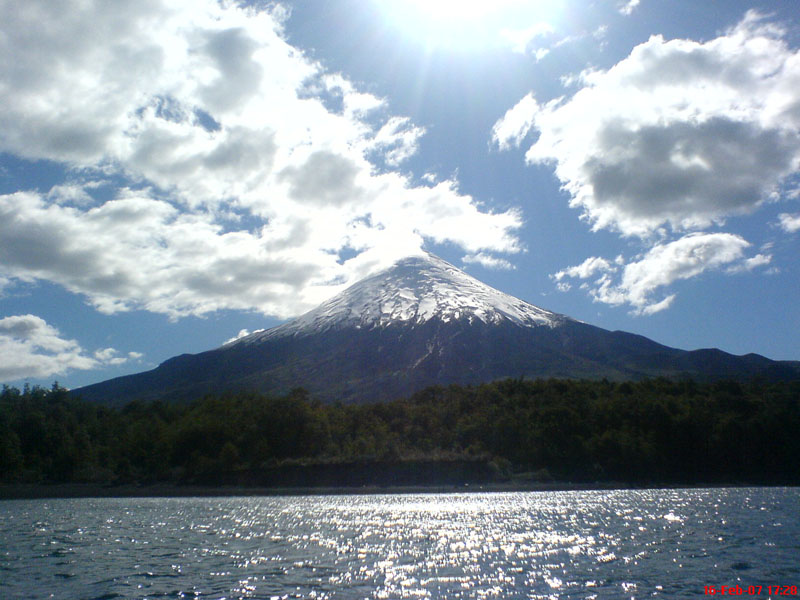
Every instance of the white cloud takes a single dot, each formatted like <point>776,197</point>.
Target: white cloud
<point>32,348</point>
<point>137,251</point>
<point>789,223</point>
<point>398,140</point>
<point>759,260</point>
<point>488,261</point>
<point>521,40</point>
<point>628,7</point>
<point>254,166</point>
<point>69,194</point>
<point>110,356</point>
<point>242,333</point>
<point>682,259</point>
<point>637,282</point>
<point>586,269</point>
<point>679,133</point>
<point>516,123</point>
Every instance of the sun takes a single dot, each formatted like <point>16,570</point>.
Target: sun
<point>459,10</point>
<point>464,25</point>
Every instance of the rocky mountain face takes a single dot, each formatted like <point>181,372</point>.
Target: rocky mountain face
<point>419,323</point>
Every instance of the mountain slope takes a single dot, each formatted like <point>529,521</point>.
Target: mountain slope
<point>422,322</point>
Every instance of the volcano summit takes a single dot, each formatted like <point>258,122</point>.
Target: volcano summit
<point>418,323</point>
<point>413,291</point>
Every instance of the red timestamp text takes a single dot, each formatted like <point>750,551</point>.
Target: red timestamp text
<point>750,590</point>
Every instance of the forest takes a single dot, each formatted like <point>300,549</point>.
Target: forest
<point>650,432</point>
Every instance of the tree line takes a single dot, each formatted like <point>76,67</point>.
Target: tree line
<point>652,431</point>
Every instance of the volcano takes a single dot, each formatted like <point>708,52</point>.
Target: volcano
<point>422,322</point>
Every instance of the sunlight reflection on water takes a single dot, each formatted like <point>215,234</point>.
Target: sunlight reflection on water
<point>595,544</point>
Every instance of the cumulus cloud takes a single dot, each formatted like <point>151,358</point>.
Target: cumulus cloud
<point>253,166</point>
<point>789,223</point>
<point>398,140</point>
<point>759,260</point>
<point>680,133</point>
<point>488,261</point>
<point>136,251</point>
<point>324,179</point>
<point>32,348</point>
<point>586,269</point>
<point>638,282</point>
<point>522,40</point>
<point>627,8</point>
<point>110,356</point>
<point>516,123</point>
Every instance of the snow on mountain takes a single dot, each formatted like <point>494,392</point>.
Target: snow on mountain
<point>413,290</point>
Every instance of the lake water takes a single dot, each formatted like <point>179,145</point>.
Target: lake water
<point>586,544</point>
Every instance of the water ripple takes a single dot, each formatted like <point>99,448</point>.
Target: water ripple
<point>592,544</point>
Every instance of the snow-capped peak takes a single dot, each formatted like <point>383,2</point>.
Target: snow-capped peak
<point>413,290</point>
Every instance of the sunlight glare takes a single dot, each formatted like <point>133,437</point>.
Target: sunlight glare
<point>466,25</point>
<point>460,10</point>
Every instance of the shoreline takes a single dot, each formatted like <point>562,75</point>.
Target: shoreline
<point>34,491</point>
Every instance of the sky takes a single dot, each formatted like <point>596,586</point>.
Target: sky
<point>177,173</point>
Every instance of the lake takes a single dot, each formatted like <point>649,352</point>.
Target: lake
<point>580,544</point>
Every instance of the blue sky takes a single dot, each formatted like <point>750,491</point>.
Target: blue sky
<point>173,174</point>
